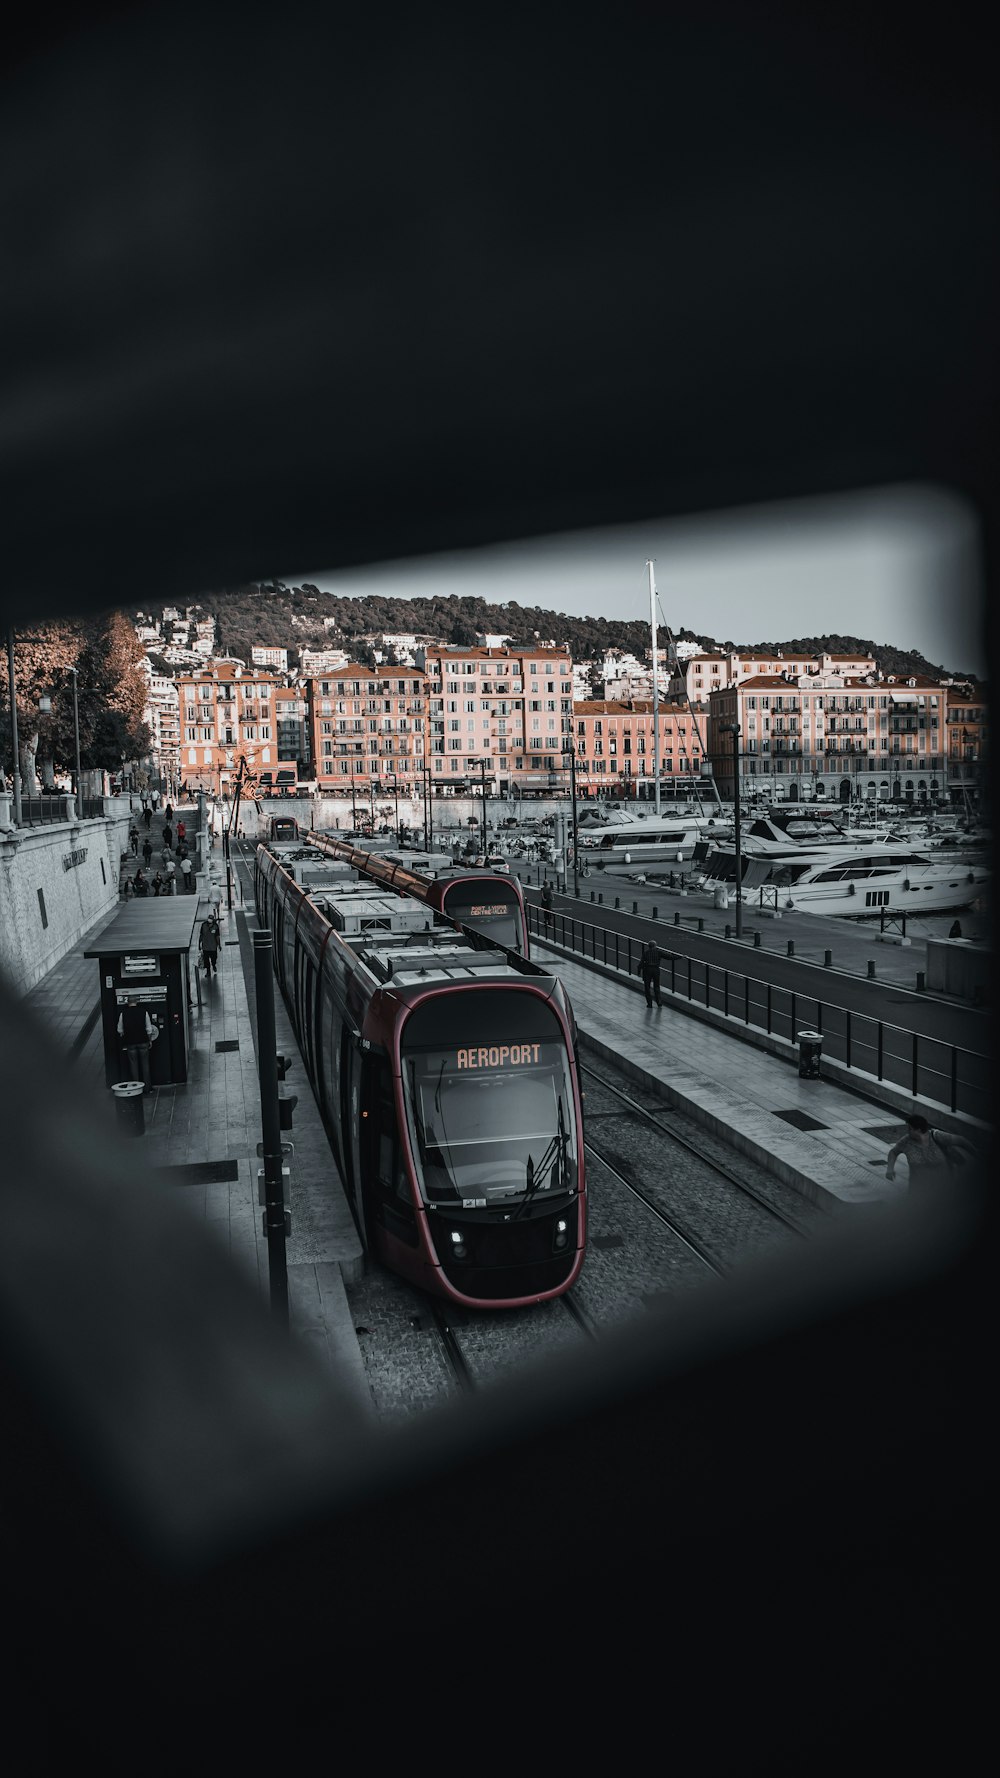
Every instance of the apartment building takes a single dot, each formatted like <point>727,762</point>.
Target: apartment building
<point>227,713</point>
<point>497,715</point>
<point>162,718</point>
<point>616,747</point>
<point>696,676</point>
<point>966,717</point>
<point>276,658</point>
<point>367,726</point>
<point>831,736</point>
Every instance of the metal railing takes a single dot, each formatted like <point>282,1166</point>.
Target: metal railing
<point>39,811</point>
<point>944,1073</point>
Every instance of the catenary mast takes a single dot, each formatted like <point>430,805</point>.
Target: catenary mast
<point>656,688</point>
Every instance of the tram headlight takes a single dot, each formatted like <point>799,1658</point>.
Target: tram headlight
<point>458,1247</point>
<point>560,1236</point>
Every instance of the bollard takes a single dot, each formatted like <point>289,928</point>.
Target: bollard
<point>756,940</point>
<point>635,907</point>
<point>677,917</point>
<point>729,932</point>
<point>827,959</point>
<point>618,901</point>
<point>601,896</point>
<point>791,948</point>
<point>871,972</point>
<point>701,925</point>
<point>593,894</point>
<point>920,982</point>
<point>656,913</point>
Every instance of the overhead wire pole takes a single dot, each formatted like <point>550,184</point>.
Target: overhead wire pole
<point>656,687</point>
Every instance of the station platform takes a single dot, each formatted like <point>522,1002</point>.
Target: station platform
<point>200,1137</point>
<point>825,1141</point>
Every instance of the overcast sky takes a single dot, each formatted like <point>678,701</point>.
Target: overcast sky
<point>899,566</point>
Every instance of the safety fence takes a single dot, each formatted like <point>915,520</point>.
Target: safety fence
<point>41,811</point>
<point>944,1073</point>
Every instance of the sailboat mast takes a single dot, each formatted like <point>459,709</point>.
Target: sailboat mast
<point>656,688</point>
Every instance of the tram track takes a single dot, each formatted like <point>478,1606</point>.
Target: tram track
<point>699,1153</point>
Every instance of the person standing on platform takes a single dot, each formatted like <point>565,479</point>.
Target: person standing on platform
<point>187,873</point>
<point>209,943</point>
<point>137,1031</point>
<point>547,907</point>
<point>929,1155</point>
<point>649,969</point>
<point>147,851</point>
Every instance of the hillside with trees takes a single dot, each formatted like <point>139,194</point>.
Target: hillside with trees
<point>273,614</point>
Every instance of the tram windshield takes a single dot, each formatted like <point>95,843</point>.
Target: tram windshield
<point>494,1121</point>
<point>488,907</point>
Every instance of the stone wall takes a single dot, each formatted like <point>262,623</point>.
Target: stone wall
<point>56,881</point>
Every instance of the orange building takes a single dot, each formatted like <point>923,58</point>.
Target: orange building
<point>226,713</point>
<point>616,750</point>
<point>368,727</point>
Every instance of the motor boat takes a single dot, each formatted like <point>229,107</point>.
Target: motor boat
<point>854,881</point>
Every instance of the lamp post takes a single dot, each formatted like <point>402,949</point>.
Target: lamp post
<point>76,737</point>
<point>576,843</point>
<point>482,769</point>
<point>733,728</point>
<point>395,792</point>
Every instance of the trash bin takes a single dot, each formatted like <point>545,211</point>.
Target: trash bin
<point>810,1050</point>
<point>128,1095</point>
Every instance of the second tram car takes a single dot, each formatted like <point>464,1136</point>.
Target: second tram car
<point>485,900</point>
<point>449,1087</point>
<point>282,828</point>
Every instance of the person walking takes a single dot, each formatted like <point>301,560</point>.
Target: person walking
<point>128,887</point>
<point>171,877</point>
<point>168,813</point>
<point>159,884</point>
<point>209,943</point>
<point>187,873</point>
<point>168,834</point>
<point>147,815</point>
<point>181,831</point>
<point>137,1032</point>
<point>929,1155</point>
<point>147,851</point>
<point>547,907</point>
<point>649,969</point>
<point>133,839</point>
<point>141,884</point>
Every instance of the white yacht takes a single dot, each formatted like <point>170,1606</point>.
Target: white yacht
<point>652,839</point>
<point>854,881</point>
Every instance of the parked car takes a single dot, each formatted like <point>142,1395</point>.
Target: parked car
<point>495,862</point>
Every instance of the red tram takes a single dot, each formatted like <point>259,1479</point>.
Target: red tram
<point>481,899</point>
<point>448,1083</point>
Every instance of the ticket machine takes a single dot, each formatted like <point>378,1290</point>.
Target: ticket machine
<point>146,954</point>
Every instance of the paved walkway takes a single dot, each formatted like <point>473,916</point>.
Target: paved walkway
<point>201,1137</point>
